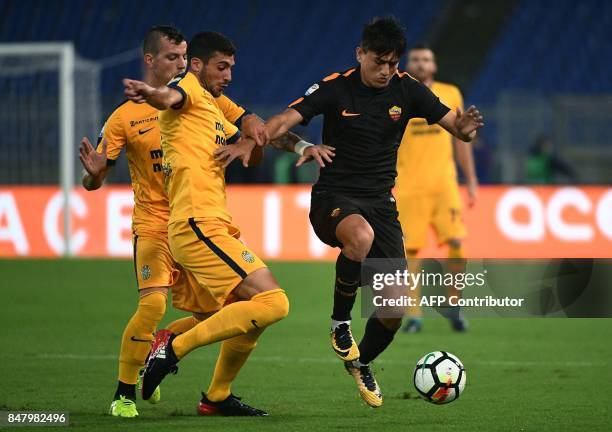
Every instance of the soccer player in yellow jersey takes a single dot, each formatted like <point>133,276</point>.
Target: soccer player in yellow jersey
<point>135,127</point>
<point>201,235</point>
<point>426,188</point>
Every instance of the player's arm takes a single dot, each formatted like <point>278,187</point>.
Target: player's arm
<point>278,129</point>
<point>161,98</point>
<point>465,158</point>
<point>462,124</point>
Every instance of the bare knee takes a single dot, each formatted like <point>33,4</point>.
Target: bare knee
<point>260,281</point>
<point>356,236</point>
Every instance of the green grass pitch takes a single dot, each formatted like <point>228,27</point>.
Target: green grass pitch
<point>62,322</point>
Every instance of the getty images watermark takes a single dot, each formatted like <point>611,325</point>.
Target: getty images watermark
<point>389,289</point>
<point>501,288</point>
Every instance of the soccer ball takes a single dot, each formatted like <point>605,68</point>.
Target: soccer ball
<point>439,377</point>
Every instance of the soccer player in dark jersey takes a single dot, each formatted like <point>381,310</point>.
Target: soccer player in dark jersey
<point>365,112</point>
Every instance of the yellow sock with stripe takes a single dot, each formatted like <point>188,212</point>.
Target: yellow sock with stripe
<point>135,343</point>
<point>233,320</point>
<point>182,325</point>
<point>232,356</point>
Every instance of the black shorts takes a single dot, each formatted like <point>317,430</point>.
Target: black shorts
<point>328,208</point>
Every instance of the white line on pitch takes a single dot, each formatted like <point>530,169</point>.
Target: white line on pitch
<point>279,359</point>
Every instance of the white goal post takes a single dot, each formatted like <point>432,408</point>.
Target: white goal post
<point>39,87</point>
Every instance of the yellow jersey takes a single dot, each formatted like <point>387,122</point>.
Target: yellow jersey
<point>136,127</point>
<point>190,133</point>
<point>425,162</point>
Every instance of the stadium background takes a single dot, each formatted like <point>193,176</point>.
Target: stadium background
<point>535,69</point>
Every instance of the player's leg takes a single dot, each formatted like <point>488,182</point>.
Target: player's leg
<point>450,230</point>
<point>356,237</point>
<point>384,323</point>
<point>220,262</point>
<point>415,215</point>
<point>337,222</point>
<point>188,295</point>
<point>154,273</point>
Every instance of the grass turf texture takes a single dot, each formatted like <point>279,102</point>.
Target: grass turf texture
<point>62,323</point>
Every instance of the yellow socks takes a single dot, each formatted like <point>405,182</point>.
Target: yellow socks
<point>137,336</point>
<point>233,320</point>
<point>232,356</point>
<point>182,325</point>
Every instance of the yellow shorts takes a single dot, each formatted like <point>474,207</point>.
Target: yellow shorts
<point>212,252</point>
<point>441,210</point>
<point>155,267</point>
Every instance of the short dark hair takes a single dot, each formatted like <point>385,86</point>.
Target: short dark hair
<point>420,46</point>
<point>150,45</point>
<point>204,45</point>
<point>384,36</point>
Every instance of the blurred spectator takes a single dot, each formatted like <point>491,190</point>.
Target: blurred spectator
<point>544,166</point>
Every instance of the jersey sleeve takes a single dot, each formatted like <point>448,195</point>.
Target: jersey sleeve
<point>183,86</point>
<point>231,131</point>
<point>424,103</point>
<point>315,101</point>
<point>114,134</point>
<point>231,110</point>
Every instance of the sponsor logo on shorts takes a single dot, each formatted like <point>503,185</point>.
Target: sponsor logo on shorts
<point>145,272</point>
<point>335,212</point>
<point>248,257</point>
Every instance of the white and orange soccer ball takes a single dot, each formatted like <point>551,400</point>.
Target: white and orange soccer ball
<point>439,377</point>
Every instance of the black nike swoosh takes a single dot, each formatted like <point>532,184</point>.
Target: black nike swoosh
<point>140,340</point>
<point>341,353</point>
<point>254,324</point>
<point>142,132</point>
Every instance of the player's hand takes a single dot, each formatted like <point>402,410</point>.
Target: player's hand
<point>472,189</point>
<point>468,122</point>
<point>92,161</point>
<point>137,91</point>
<point>319,153</point>
<point>241,150</point>
<point>254,127</point>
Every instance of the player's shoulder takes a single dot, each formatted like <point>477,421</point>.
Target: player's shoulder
<point>405,81</point>
<point>128,109</point>
<point>337,77</point>
<point>120,111</point>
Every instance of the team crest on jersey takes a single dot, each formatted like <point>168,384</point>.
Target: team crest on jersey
<point>395,113</point>
<point>145,272</point>
<point>166,169</point>
<point>248,257</point>
<point>313,88</point>
<point>335,212</point>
